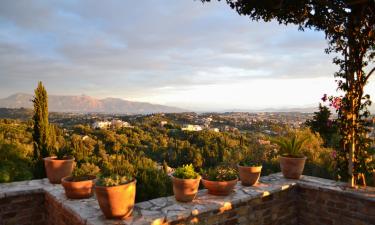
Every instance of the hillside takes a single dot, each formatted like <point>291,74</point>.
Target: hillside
<point>87,104</point>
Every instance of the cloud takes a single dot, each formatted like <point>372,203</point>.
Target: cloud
<point>134,49</point>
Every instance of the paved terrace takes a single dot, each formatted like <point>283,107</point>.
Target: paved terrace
<point>275,200</point>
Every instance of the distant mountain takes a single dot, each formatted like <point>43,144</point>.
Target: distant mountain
<point>87,104</point>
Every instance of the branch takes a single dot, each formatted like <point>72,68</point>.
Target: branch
<point>369,74</point>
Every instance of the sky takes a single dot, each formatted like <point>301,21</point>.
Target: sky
<point>175,52</point>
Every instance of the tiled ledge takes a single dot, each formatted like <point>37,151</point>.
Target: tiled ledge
<point>167,210</point>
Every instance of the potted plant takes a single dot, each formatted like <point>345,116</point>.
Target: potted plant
<point>58,166</point>
<point>249,171</point>
<point>292,161</point>
<point>116,195</point>
<point>185,183</point>
<point>81,183</point>
<point>220,180</point>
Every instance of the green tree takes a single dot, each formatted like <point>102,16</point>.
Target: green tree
<point>326,127</point>
<point>41,130</point>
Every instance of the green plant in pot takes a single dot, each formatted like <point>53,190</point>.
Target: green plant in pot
<point>249,170</point>
<point>81,183</point>
<point>185,183</point>
<point>58,166</point>
<point>219,180</point>
<point>292,160</point>
<point>115,191</point>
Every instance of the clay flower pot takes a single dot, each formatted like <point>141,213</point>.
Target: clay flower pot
<point>292,168</point>
<point>185,190</point>
<point>219,187</point>
<point>56,169</point>
<point>249,175</point>
<point>78,189</point>
<point>116,201</point>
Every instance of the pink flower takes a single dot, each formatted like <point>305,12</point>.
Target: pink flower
<point>334,154</point>
<point>336,102</point>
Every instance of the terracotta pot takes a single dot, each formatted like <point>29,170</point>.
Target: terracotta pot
<point>185,190</point>
<point>117,201</point>
<point>78,189</point>
<point>56,169</point>
<point>219,187</point>
<point>292,168</point>
<point>249,175</point>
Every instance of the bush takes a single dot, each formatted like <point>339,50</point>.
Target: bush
<point>220,173</point>
<point>185,172</point>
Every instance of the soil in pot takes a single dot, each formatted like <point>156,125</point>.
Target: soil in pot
<point>219,187</point>
<point>78,187</point>
<point>292,167</point>
<point>185,190</point>
<point>56,169</point>
<point>249,175</point>
<point>116,201</point>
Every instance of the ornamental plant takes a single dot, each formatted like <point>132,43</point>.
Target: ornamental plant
<point>249,162</point>
<point>220,173</point>
<point>290,146</point>
<point>185,172</point>
<point>114,180</point>
<point>118,172</point>
<point>85,171</point>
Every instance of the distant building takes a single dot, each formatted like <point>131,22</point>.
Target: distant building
<point>214,129</point>
<point>101,124</point>
<point>191,127</point>
<point>110,124</point>
<point>163,123</point>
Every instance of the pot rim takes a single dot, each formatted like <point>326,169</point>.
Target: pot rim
<point>221,181</point>
<point>54,158</point>
<point>238,165</point>
<point>182,179</point>
<point>286,157</point>
<point>65,179</point>
<point>109,187</point>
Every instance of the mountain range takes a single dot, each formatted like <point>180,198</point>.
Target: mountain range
<point>87,104</point>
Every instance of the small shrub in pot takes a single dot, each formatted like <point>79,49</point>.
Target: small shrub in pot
<point>185,183</point>
<point>292,161</point>
<point>81,183</point>
<point>249,171</point>
<point>220,180</point>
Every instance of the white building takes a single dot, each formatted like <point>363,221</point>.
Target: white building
<point>191,127</point>
<point>101,124</point>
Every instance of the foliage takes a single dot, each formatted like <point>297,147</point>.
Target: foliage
<point>185,172</point>
<point>114,180</point>
<point>220,173</point>
<point>349,27</point>
<point>15,165</point>
<point>325,126</point>
<point>41,129</point>
<point>290,146</point>
<point>249,161</point>
<point>85,170</point>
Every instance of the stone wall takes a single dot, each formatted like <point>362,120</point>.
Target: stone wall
<point>58,214</point>
<point>27,209</point>
<point>327,207</point>
<point>275,200</point>
<point>277,208</point>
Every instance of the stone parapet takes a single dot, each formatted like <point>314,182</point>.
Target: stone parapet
<point>275,200</point>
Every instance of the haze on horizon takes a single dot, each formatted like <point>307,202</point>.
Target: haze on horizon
<point>179,53</point>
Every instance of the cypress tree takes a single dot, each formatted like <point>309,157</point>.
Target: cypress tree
<point>41,129</point>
